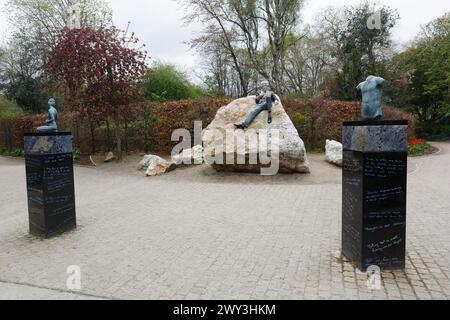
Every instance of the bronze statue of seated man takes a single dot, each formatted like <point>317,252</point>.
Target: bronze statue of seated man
<point>264,102</point>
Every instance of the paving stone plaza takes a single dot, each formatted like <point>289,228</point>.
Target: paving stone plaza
<point>218,236</point>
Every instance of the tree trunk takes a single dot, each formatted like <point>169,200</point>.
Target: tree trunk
<point>77,132</point>
<point>93,147</point>
<point>117,133</point>
<point>125,138</point>
<point>108,136</point>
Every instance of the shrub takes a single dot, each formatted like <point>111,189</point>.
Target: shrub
<point>17,152</point>
<point>181,115</point>
<point>416,142</point>
<point>166,83</point>
<point>9,109</point>
<point>391,113</point>
<point>419,149</point>
<point>150,127</point>
<point>322,119</point>
<point>21,125</point>
<point>76,153</point>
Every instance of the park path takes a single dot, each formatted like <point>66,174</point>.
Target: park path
<point>170,238</point>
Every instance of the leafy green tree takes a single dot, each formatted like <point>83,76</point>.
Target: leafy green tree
<point>8,108</point>
<point>359,49</point>
<point>426,68</point>
<point>260,27</point>
<point>21,80</point>
<point>165,83</point>
<point>35,26</point>
<point>28,92</point>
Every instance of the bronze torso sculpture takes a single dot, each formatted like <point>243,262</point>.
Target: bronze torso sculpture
<point>372,93</point>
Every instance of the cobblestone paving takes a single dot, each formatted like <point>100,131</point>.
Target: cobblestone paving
<point>144,238</point>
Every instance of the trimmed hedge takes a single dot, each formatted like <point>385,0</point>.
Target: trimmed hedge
<point>150,128</point>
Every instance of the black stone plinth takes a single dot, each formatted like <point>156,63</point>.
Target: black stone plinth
<point>50,183</point>
<point>374,194</point>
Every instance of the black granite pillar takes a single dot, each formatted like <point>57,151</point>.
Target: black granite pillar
<point>374,193</point>
<point>50,183</point>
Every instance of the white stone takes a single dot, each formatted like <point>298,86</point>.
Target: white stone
<point>292,152</point>
<point>192,156</point>
<point>156,166</point>
<point>110,157</point>
<point>334,152</point>
<point>145,162</point>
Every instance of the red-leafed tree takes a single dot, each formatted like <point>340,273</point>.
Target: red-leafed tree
<point>99,72</point>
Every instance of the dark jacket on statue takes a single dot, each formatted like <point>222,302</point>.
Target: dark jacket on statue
<point>266,98</point>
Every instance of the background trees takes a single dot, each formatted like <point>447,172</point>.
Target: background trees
<point>94,69</point>
<point>424,75</point>
<point>21,79</point>
<point>9,109</point>
<point>35,27</point>
<point>99,72</point>
<point>258,28</point>
<point>359,50</point>
<point>39,21</point>
<point>165,82</point>
<point>249,41</point>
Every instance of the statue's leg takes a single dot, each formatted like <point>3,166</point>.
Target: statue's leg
<point>45,129</point>
<point>251,117</point>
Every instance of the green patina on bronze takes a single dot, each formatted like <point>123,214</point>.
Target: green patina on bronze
<point>372,93</point>
<point>52,118</point>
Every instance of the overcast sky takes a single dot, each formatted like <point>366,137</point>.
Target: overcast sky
<point>159,23</point>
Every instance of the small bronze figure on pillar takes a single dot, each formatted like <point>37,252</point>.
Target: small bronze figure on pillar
<point>372,93</point>
<point>52,118</point>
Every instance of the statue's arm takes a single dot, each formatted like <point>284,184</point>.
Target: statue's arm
<point>380,81</point>
<point>258,98</point>
<point>359,87</point>
<point>51,117</point>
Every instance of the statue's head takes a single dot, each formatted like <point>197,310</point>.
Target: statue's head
<point>52,102</point>
<point>265,86</point>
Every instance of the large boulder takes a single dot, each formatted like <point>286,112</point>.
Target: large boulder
<point>292,153</point>
<point>334,152</point>
<point>192,156</point>
<point>156,166</point>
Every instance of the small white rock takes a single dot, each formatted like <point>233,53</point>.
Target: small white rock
<point>156,166</point>
<point>334,152</point>
<point>110,157</point>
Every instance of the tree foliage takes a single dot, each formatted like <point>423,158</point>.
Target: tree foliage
<point>8,108</point>
<point>20,79</point>
<point>99,72</point>
<point>426,68</point>
<point>164,83</point>
<point>40,20</point>
<point>358,49</point>
<point>35,26</point>
<point>258,27</point>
